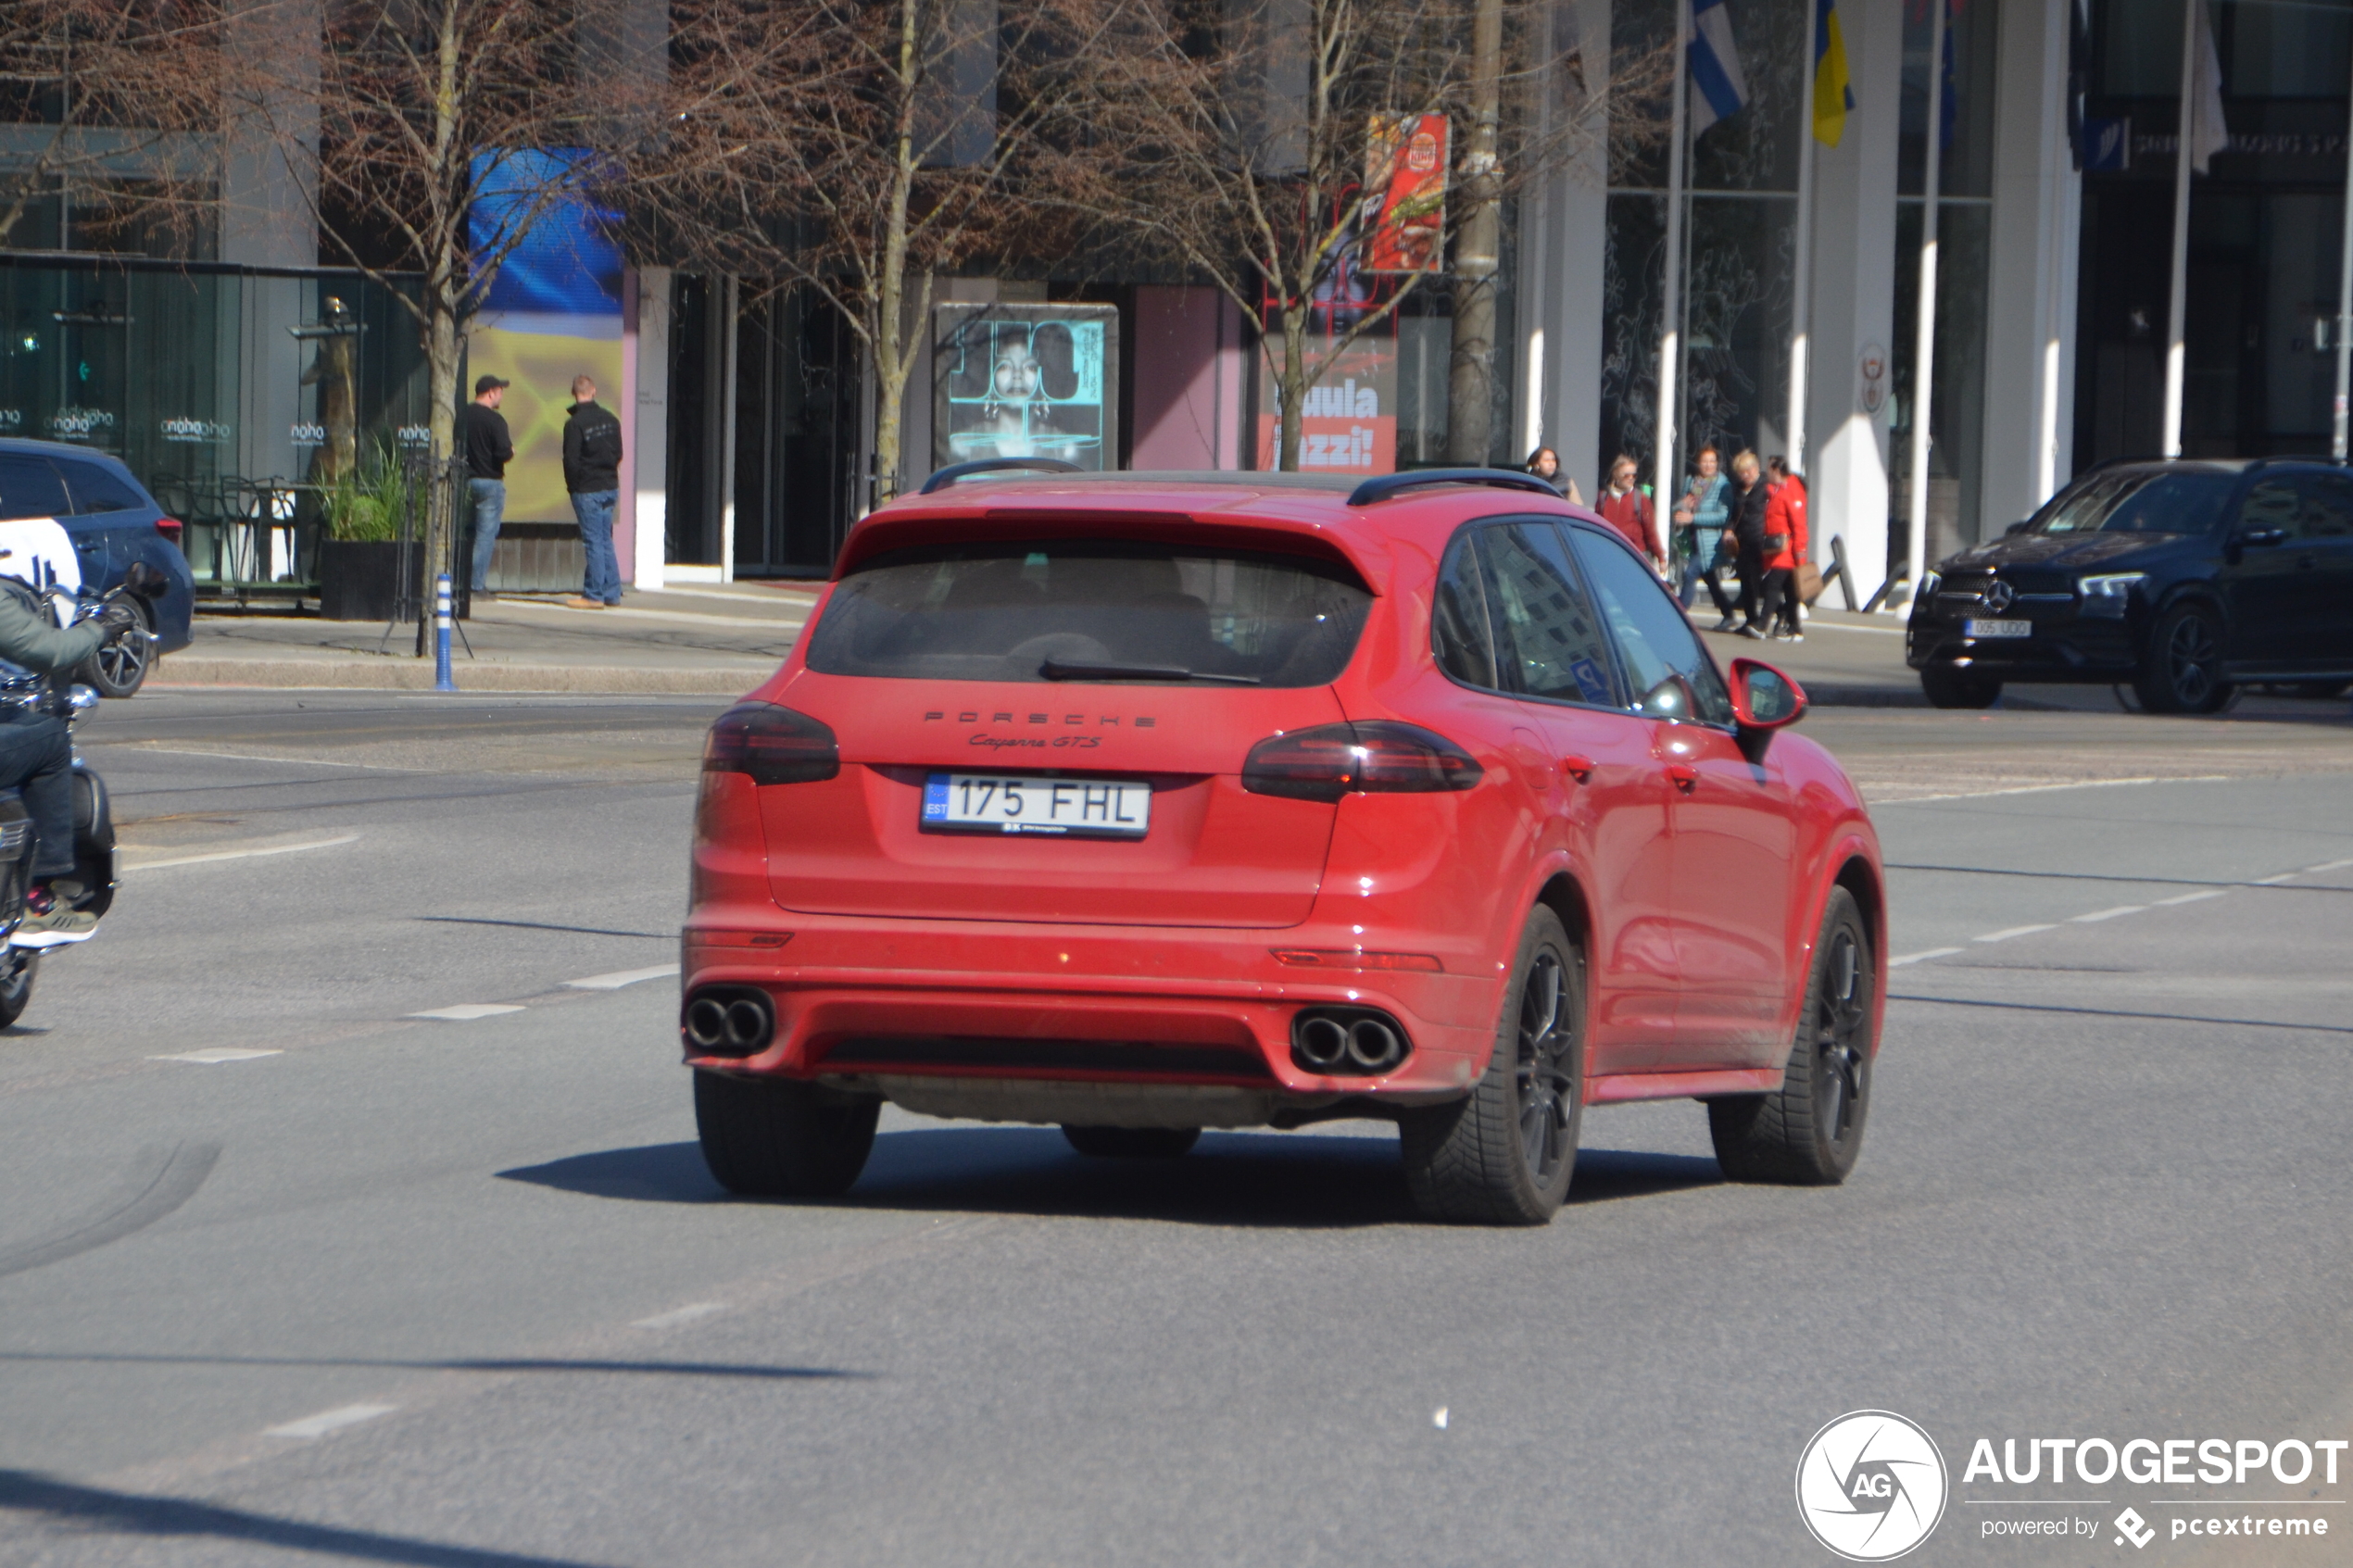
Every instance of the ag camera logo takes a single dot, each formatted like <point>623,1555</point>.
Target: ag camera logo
<point>1872,1486</point>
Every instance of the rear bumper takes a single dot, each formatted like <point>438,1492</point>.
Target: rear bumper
<point>865,1003</point>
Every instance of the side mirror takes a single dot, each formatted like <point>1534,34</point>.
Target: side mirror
<point>1763,700</point>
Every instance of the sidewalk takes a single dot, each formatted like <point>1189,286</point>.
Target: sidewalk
<point>717,640</point>
<point>1846,660</point>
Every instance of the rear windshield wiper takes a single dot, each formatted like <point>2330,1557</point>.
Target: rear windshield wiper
<point>1058,669</point>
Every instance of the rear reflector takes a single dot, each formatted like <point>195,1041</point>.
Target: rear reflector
<point>1355,958</point>
<point>706,938</point>
<point>1373,757</point>
<point>775,745</point>
<point>170,528</point>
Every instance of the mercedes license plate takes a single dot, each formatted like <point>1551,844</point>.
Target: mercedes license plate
<point>1069,808</point>
<point>1998,628</point>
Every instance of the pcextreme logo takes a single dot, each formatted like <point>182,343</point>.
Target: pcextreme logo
<point>1872,1486</point>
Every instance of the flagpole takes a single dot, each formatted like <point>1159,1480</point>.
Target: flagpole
<point>2344,333</point>
<point>1924,339</point>
<point>1801,308</point>
<point>2179,277</point>
<point>1670,285</point>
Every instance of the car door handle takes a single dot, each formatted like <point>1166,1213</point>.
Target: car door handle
<point>1686,777</point>
<point>1577,768</point>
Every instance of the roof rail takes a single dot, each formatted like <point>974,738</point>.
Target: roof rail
<point>943,477</point>
<point>1380,487</point>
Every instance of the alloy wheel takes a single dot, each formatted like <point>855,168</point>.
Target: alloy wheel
<point>1842,1028</point>
<point>1548,1087</point>
<point>2190,659</point>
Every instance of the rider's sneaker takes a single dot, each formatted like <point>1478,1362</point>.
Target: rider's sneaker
<point>52,922</point>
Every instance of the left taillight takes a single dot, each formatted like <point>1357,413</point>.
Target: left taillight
<point>774,745</point>
<point>170,528</point>
<point>1377,757</point>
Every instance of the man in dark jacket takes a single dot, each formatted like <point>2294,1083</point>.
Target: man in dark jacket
<point>592,473</point>
<point>36,757</point>
<point>1748,532</point>
<point>483,437</point>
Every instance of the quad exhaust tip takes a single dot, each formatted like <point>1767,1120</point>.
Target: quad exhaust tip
<point>728,1020</point>
<point>1347,1042</point>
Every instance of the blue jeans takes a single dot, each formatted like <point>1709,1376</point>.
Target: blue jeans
<point>36,760</point>
<point>595,510</point>
<point>490,509</point>
<point>1702,563</point>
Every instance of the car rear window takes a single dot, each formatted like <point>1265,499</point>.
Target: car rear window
<point>2144,501</point>
<point>1001,611</point>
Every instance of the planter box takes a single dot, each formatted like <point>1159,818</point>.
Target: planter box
<point>359,580</point>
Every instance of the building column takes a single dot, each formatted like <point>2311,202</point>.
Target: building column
<point>2030,328</point>
<point>648,429</point>
<point>1564,249</point>
<point>1854,319</point>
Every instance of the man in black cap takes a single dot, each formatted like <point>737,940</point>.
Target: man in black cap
<point>483,437</point>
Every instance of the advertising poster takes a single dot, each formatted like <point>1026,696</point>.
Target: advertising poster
<point>1349,423</point>
<point>1025,381</point>
<point>554,312</point>
<point>1405,194</point>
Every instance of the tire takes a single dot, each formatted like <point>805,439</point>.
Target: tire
<point>772,1138</point>
<point>1504,1156</point>
<point>1808,1132</point>
<point>120,668</point>
<point>1958,688</point>
<point>2182,670</point>
<point>18,972</point>
<point>1133,1143</point>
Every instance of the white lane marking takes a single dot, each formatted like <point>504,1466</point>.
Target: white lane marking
<point>791,595</point>
<point>329,1421</point>
<point>237,854</point>
<point>212,1054</point>
<point>2046,789</point>
<point>1923,957</point>
<point>2275,880</point>
<point>289,761</point>
<point>684,1314</point>
<point>2331,866</point>
<point>621,977</point>
<point>2013,930</point>
<point>2099,915</point>
<point>1814,623</point>
<point>2191,897</point>
<point>466,1012</point>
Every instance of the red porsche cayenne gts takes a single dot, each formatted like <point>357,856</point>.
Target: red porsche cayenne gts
<point>1145,803</point>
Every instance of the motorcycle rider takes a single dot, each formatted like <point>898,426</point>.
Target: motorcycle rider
<point>36,755</point>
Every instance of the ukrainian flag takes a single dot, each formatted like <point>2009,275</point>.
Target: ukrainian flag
<point>1833,94</point>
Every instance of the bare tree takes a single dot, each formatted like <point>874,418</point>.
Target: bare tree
<point>1244,130</point>
<point>107,106</point>
<point>860,148</point>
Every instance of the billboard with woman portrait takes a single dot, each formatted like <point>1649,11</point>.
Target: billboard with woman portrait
<point>1025,381</point>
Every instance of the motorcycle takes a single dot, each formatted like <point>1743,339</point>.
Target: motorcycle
<point>95,858</point>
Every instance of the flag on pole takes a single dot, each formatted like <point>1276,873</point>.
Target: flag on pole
<point>1716,66</point>
<point>1833,93</point>
<point>2204,134</point>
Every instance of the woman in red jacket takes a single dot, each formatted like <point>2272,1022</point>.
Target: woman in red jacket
<point>1784,547</point>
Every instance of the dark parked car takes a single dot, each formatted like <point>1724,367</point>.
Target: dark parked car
<point>109,520</point>
<point>2185,579</point>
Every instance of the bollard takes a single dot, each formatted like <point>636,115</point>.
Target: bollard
<point>440,681</point>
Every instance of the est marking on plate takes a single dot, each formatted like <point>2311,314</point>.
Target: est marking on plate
<point>1064,807</point>
<point>1997,629</point>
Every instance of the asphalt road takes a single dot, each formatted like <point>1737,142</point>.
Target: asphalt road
<point>434,1292</point>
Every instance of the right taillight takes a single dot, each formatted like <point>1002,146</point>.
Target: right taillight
<point>170,528</point>
<point>774,745</point>
<point>1376,756</point>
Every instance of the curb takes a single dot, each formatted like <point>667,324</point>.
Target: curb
<point>405,674</point>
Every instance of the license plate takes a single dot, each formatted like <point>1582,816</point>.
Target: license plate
<point>1998,628</point>
<point>1066,808</point>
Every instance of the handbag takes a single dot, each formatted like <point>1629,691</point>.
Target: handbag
<point>1810,581</point>
<point>1728,550</point>
<point>1776,542</point>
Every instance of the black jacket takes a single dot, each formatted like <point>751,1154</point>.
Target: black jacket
<point>592,449</point>
<point>1748,516</point>
<point>482,436</point>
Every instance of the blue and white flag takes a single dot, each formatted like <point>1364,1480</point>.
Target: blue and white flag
<point>1719,89</point>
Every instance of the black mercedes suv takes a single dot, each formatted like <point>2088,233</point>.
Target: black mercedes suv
<point>2186,579</point>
